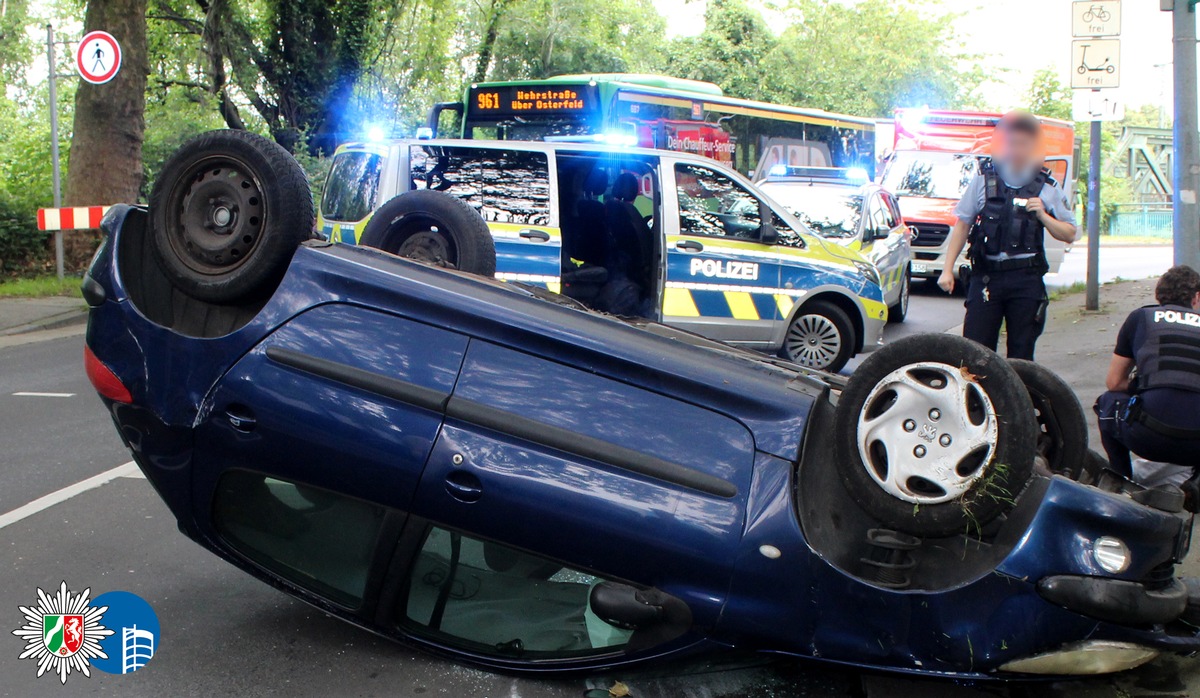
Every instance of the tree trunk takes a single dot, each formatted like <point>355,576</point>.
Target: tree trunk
<point>105,165</point>
<point>487,43</point>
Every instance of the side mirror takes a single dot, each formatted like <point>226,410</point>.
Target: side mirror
<point>654,616</point>
<point>768,235</point>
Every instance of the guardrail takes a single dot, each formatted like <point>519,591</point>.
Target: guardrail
<point>1142,220</point>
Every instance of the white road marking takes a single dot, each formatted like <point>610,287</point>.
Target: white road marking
<point>28,394</point>
<point>40,504</point>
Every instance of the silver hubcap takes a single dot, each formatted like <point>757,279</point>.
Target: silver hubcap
<point>814,341</point>
<point>927,433</point>
<point>904,293</point>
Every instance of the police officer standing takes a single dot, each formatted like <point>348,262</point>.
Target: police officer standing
<point>1152,406</point>
<point>1004,212</point>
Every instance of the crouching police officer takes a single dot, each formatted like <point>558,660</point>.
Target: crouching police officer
<point>1004,212</point>
<point>1152,406</point>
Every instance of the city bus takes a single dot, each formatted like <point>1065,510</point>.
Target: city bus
<point>666,113</point>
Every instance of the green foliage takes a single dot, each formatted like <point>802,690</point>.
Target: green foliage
<point>866,58</point>
<point>1048,96</point>
<point>543,38</point>
<point>736,51</point>
<point>22,246</point>
<point>873,56</point>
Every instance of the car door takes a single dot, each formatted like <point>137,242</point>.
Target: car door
<point>597,473</point>
<point>721,278</point>
<point>884,244</point>
<point>310,448</point>
<point>512,190</point>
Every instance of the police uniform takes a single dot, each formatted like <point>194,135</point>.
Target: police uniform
<point>1008,257</point>
<point>1159,419</point>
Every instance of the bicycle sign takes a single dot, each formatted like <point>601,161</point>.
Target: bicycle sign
<point>1096,18</point>
<point>1096,64</point>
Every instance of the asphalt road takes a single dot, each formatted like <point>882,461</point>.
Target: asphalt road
<point>226,633</point>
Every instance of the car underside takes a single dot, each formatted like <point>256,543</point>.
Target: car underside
<point>491,472</point>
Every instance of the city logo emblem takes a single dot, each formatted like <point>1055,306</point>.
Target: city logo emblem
<point>62,633</point>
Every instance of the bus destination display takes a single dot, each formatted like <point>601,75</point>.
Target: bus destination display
<point>548,99</point>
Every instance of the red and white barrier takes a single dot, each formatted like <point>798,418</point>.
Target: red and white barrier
<point>74,218</point>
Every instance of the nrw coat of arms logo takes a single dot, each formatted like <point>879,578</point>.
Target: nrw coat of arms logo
<point>63,633</point>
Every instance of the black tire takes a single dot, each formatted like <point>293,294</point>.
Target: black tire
<point>899,311</point>
<point>1062,424</point>
<point>989,451</point>
<point>435,228</point>
<point>226,215</point>
<point>820,336</point>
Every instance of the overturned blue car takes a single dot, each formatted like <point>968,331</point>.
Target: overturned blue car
<point>496,473</point>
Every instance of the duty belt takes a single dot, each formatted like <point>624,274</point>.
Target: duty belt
<point>1135,413</point>
<point>994,265</point>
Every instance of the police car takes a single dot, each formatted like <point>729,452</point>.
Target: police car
<point>842,205</point>
<point>667,236</point>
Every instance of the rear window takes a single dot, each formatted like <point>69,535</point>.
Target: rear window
<point>352,187</point>
<point>504,186</point>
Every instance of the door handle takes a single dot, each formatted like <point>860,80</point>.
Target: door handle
<point>535,235</point>
<point>464,486</point>
<point>241,418</point>
<point>689,246</point>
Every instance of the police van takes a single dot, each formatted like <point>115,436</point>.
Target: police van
<point>671,237</point>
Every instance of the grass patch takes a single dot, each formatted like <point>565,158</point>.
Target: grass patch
<point>1058,292</point>
<point>1124,241</point>
<point>40,287</point>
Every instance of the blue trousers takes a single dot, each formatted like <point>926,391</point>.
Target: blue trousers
<point>1121,436</point>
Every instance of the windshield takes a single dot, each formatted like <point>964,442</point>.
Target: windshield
<point>930,175</point>
<point>828,212</point>
<point>530,129</point>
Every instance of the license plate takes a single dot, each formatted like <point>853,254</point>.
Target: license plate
<point>920,268</point>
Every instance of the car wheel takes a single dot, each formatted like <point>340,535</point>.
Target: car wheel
<point>820,337</point>
<point>899,311</point>
<point>935,435</point>
<point>226,215</point>
<point>1062,440</point>
<point>434,228</point>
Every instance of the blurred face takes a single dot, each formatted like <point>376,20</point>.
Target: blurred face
<point>1018,150</point>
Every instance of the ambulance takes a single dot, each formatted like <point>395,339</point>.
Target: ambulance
<point>936,154</point>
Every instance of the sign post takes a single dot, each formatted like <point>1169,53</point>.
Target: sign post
<point>54,156</point>
<point>1095,66</point>
<point>1186,176</point>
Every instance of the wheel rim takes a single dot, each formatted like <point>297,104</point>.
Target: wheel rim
<point>1049,440</point>
<point>905,292</point>
<point>422,240</point>
<point>927,433</point>
<point>814,341</point>
<point>220,211</point>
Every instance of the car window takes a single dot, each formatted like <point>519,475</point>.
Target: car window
<point>714,205</point>
<point>494,599</point>
<point>880,218</point>
<point>893,208</point>
<point>315,538</point>
<point>504,186</point>
<point>352,186</point>
<point>829,213</point>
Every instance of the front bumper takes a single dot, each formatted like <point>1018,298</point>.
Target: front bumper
<point>1117,601</point>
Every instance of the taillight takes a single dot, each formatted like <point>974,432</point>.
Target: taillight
<point>103,379</point>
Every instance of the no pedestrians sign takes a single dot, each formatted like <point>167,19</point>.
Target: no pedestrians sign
<point>98,57</point>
